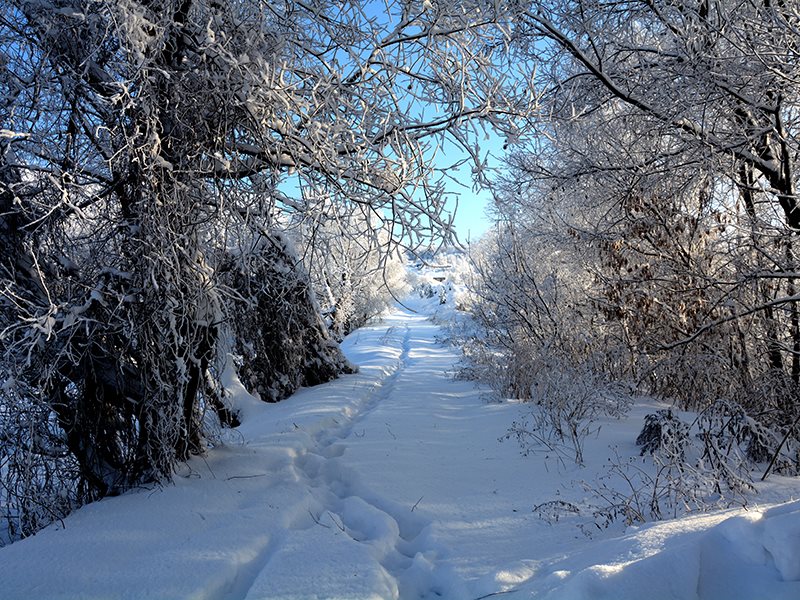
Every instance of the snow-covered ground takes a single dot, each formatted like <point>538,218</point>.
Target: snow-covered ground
<point>392,483</point>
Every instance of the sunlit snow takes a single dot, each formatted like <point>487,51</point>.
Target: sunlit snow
<point>392,483</point>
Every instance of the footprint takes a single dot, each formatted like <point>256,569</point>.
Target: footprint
<point>333,451</point>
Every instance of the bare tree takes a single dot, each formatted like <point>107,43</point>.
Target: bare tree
<point>664,176</point>
<point>716,81</point>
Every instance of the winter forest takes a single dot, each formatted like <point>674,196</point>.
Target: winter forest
<point>228,258</point>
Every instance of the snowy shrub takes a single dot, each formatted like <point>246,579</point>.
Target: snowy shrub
<point>554,511</point>
<point>564,406</point>
<point>769,417</point>
<point>725,435</point>
<point>531,343</point>
<point>277,328</point>
<point>665,433</point>
<point>637,492</point>
<point>690,466</point>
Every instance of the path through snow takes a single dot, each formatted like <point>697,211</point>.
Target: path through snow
<point>391,483</point>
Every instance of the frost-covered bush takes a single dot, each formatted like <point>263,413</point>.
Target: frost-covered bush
<point>768,412</point>
<point>665,433</point>
<point>355,269</point>
<point>527,304</point>
<point>688,466</point>
<point>534,342</point>
<point>565,404</point>
<point>634,492</point>
<point>726,436</point>
<point>278,331</point>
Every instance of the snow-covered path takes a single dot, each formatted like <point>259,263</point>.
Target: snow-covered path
<point>390,483</point>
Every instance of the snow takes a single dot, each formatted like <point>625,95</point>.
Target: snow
<point>391,483</point>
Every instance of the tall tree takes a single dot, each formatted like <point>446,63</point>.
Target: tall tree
<point>146,150</point>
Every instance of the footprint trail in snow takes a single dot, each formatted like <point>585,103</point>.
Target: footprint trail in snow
<point>380,542</point>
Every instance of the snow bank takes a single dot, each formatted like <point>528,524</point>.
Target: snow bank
<point>740,555</point>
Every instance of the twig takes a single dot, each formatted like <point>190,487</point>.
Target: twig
<point>208,466</point>
<point>317,521</point>
<point>335,522</point>
<point>417,503</point>
<point>780,447</point>
<point>497,593</point>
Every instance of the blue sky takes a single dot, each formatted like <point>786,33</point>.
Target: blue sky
<point>471,220</point>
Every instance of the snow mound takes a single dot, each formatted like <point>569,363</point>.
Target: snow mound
<point>744,555</point>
